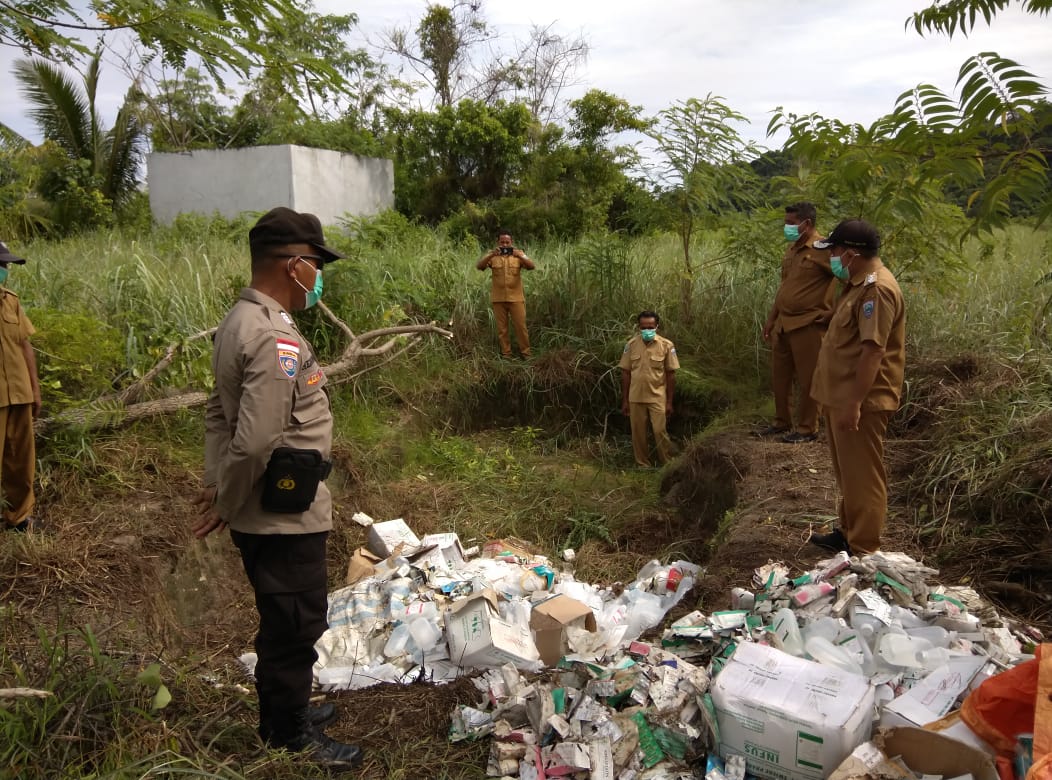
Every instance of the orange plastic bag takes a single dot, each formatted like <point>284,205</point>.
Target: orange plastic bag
<point>1015,702</point>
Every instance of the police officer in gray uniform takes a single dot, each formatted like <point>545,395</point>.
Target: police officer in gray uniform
<point>268,436</point>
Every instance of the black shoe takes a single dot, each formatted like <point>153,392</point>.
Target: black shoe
<point>771,430</point>
<point>834,540</point>
<point>327,752</point>
<point>321,714</point>
<point>314,744</point>
<point>799,438</point>
<point>29,524</point>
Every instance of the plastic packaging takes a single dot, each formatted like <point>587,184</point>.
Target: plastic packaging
<point>825,652</point>
<point>787,631</point>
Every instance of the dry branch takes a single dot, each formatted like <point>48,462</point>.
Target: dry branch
<point>124,407</point>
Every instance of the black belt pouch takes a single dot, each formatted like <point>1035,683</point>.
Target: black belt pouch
<point>290,482</point>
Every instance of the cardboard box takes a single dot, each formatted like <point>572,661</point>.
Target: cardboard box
<point>931,698</point>
<point>791,719</point>
<point>362,565</point>
<point>925,752</point>
<point>510,547</point>
<point>445,551</point>
<point>549,620</point>
<point>478,637</point>
<point>383,538</point>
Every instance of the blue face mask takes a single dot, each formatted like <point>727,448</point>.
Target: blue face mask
<point>3,275</point>
<point>648,334</point>
<point>313,296</point>
<point>839,271</point>
<point>791,232</point>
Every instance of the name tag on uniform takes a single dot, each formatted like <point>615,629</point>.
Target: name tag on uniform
<point>288,356</point>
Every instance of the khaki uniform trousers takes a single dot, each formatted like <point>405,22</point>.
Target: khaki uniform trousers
<point>858,465</point>
<point>638,414</point>
<point>18,463</point>
<point>795,353</point>
<point>516,310</point>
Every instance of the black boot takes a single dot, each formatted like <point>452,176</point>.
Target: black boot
<point>834,540</point>
<point>321,714</point>
<point>317,746</point>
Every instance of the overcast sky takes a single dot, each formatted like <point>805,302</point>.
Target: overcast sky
<point>848,59</point>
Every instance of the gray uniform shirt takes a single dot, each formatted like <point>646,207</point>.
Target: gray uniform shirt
<point>268,393</point>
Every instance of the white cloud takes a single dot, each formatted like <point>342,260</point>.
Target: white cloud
<point>844,59</point>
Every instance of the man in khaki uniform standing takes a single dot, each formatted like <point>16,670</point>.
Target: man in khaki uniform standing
<point>648,384</point>
<point>19,405</point>
<point>507,264</point>
<point>797,321</point>
<point>858,381</point>
<point>268,436</point>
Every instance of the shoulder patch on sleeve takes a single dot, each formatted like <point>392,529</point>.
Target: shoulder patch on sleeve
<point>288,356</point>
<point>626,348</point>
<point>867,309</point>
<point>673,350</point>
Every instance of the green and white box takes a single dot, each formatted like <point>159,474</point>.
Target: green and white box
<point>791,718</point>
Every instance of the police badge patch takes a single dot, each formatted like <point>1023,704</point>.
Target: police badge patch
<point>867,309</point>
<point>288,356</point>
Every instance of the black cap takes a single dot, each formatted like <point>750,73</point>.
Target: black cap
<point>853,233</point>
<point>283,226</point>
<point>7,257</point>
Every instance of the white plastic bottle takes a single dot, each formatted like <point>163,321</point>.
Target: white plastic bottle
<point>398,640</point>
<point>787,630</point>
<point>825,652</point>
<point>937,635</point>
<point>903,650</point>
<point>825,627</point>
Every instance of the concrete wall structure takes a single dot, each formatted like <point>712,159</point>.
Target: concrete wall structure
<point>258,178</point>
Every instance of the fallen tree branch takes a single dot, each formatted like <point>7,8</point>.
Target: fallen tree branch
<point>125,407</point>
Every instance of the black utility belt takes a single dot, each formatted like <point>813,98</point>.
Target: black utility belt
<point>291,480</point>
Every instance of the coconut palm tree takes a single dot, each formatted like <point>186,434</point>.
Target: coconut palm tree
<point>66,114</point>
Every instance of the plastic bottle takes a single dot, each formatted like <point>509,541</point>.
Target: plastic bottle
<point>825,627</point>
<point>861,618</point>
<point>425,634</point>
<point>825,652</point>
<point>937,635</point>
<point>908,618</point>
<point>398,640</point>
<point>787,630</point>
<point>903,650</point>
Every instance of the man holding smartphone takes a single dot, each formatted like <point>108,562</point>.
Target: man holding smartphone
<point>506,262</point>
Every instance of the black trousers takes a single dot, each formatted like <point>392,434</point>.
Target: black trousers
<point>288,575</point>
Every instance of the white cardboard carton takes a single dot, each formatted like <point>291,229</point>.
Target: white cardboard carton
<point>447,552</point>
<point>478,637</point>
<point>934,696</point>
<point>383,538</point>
<point>791,718</point>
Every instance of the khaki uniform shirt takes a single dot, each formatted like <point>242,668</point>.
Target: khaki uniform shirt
<point>506,284</point>
<point>870,309</point>
<point>807,288</point>
<point>648,364</point>
<point>268,393</point>
<point>16,386</point>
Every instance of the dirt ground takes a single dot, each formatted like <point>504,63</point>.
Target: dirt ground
<point>143,583</point>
